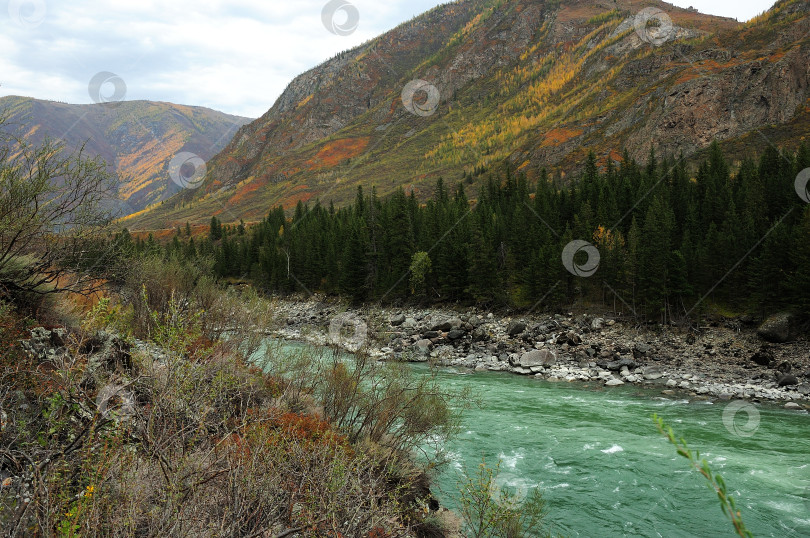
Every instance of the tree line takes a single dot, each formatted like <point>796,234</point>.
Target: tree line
<point>670,241</point>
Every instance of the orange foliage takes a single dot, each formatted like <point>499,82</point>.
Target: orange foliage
<point>291,201</point>
<point>333,153</point>
<point>245,191</point>
<point>561,135</point>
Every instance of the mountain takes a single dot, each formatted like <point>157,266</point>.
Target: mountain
<point>530,83</point>
<point>138,139</point>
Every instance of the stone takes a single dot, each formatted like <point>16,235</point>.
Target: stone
<point>641,350</point>
<point>626,362</point>
<point>409,323</point>
<point>793,405</point>
<point>442,325</point>
<point>429,335</point>
<point>671,383</point>
<point>107,351</point>
<point>59,338</point>
<point>763,357</point>
<point>423,346</point>
<point>788,380</point>
<point>480,334</point>
<point>455,334</point>
<point>597,324</point>
<point>515,328</point>
<point>614,383</point>
<point>776,328</point>
<point>538,357</point>
<point>652,373</point>
<point>396,321</point>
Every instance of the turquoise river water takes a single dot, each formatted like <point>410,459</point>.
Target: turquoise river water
<point>605,471</point>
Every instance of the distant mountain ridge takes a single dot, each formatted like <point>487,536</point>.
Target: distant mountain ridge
<point>138,139</point>
<point>529,83</point>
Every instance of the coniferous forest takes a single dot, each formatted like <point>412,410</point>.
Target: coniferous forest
<point>672,241</point>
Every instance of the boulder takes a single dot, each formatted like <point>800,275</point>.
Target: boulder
<point>571,338</point>
<point>429,335</point>
<point>423,346</point>
<point>788,380</point>
<point>108,352</point>
<point>641,350</point>
<point>597,324</point>
<point>396,321</point>
<point>652,373</point>
<point>455,334</point>
<point>626,362</point>
<point>763,357</point>
<point>442,325</point>
<point>793,405</point>
<point>776,328</point>
<point>538,357</point>
<point>614,383</point>
<point>409,323</point>
<point>515,328</point>
<point>480,334</point>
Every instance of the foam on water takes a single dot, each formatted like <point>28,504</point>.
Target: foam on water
<point>612,450</point>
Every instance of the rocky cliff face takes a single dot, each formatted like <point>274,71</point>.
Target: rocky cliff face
<point>534,83</point>
<point>138,139</point>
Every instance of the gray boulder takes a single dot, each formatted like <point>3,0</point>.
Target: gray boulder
<point>614,383</point>
<point>652,373</point>
<point>515,328</point>
<point>108,352</point>
<point>423,346</point>
<point>442,325</point>
<point>538,357</point>
<point>641,349</point>
<point>455,334</point>
<point>788,380</point>
<point>396,321</point>
<point>776,328</point>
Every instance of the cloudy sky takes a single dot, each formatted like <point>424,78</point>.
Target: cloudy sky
<point>236,56</point>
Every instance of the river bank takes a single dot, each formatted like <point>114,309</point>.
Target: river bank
<point>724,362</point>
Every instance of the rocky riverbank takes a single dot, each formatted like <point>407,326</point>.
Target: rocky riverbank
<point>725,361</point>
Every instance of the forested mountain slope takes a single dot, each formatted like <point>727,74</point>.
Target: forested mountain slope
<point>533,83</point>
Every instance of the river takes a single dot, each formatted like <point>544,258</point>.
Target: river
<point>605,471</point>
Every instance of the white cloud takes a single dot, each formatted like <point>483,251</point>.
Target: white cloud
<point>741,10</point>
<point>236,56</point>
